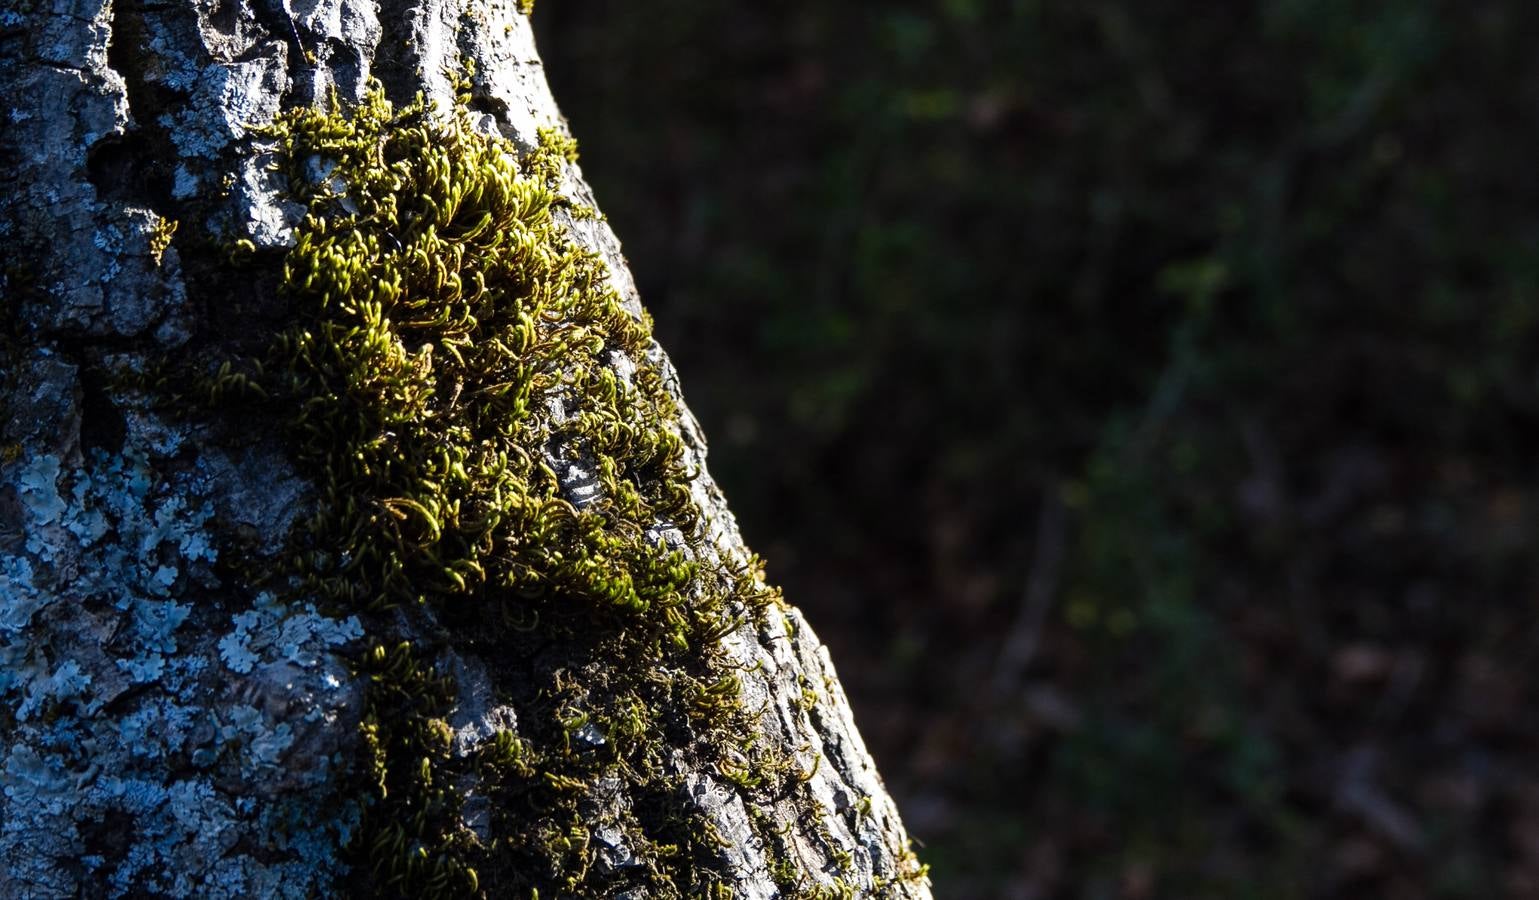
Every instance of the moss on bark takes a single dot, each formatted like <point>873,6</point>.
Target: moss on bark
<point>494,441</point>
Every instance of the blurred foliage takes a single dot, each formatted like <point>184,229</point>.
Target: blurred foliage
<point>1249,291</point>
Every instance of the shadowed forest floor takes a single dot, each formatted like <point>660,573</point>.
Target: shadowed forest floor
<point>1141,399</point>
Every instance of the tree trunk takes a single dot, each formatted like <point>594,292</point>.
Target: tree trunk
<point>355,538</point>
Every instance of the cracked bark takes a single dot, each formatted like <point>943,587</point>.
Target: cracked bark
<point>164,727</point>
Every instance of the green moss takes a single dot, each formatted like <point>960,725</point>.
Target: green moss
<point>411,834</point>
<point>455,381</point>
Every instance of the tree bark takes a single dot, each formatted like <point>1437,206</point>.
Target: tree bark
<point>187,711</point>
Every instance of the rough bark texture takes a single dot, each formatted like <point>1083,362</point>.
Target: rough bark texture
<point>170,723</point>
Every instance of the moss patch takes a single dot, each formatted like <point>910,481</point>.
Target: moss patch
<point>493,441</point>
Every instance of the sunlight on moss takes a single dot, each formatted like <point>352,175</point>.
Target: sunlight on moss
<point>493,438</point>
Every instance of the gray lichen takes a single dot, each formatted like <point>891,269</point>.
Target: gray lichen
<point>117,640</point>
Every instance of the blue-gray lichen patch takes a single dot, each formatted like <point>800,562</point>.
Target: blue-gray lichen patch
<point>274,632</point>
<point>156,736</point>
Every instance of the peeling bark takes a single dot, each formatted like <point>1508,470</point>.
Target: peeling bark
<point>169,722</point>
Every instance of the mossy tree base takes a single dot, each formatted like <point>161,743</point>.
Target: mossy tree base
<point>420,516</point>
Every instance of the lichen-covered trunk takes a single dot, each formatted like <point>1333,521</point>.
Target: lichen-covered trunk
<point>354,537</point>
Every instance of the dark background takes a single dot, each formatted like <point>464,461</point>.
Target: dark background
<point>1140,398</point>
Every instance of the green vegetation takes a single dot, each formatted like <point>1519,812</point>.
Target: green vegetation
<point>493,440</point>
